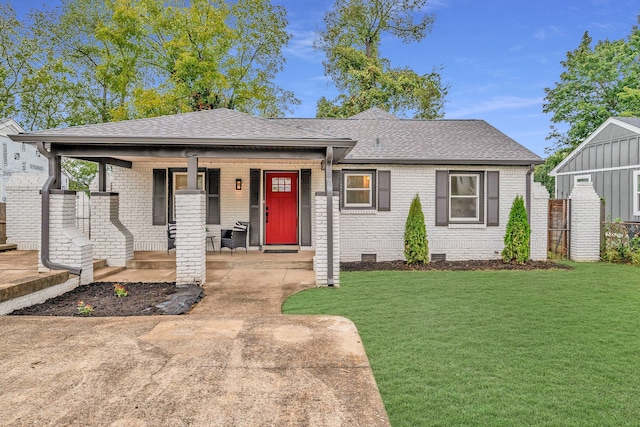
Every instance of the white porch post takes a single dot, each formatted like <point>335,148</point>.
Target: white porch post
<point>191,254</point>
<point>67,244</point>
<point>111,239</point>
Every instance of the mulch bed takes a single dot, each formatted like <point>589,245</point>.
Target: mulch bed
<point>451,266</point>
<point>141,301</point>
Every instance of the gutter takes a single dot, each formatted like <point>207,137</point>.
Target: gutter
<point>46,191</point>
<point>528,198</point>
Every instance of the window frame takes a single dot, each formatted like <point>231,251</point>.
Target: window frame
<point>580,178</point>
<point>477,196</point>
<point>348,173</point>
<point>636,193</point>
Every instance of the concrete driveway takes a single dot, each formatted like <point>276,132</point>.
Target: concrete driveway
<point>232,361</point>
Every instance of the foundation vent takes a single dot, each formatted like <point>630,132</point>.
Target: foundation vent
<point>438,257</point>
<point>368,257</point>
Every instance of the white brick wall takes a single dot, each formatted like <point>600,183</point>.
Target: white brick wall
<point>24,210</point>
<point>38,297</point>
<point>111,239</point>
<point>585,223</point>
<point>539,221</point>
<point>135,185</point>
<point>67,244</point>
<point>191,254</point>
<point>382,233</point>
<point>320,260</point>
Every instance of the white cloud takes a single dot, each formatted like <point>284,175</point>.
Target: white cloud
<point>507,103</point>
<point>301,46</point>
<point>547,32</point>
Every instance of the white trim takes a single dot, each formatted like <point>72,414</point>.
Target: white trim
<point>476,196</point>
<point>584,172</point>
<point>610,120</point>
<point>635,193</point>
<point>347,189</point>
<point>581,178</point>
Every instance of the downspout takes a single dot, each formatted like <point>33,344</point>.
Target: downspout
<point>44,244</point>
<point>328,174</point>
<point>528,198</point>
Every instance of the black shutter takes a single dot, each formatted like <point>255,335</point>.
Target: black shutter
<point>254,207</point>
<point>213,196</point>
<point>481,198</point>
<point>442,197</point>
<point>337,185</point>
<point>384,190</point>
<point>493,198</point>
<point>305,207</point>
<point>159,191</point>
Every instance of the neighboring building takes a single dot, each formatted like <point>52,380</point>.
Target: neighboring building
<point>17,157</point>
<point>213,168</point>
<point>610,159</point>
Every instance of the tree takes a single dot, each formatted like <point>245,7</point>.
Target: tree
<point>416,245</point>
<point>351,42</point>
<point>599,81</point>
<point>516,238</point>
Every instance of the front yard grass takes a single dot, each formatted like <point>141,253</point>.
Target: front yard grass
<point>497,348</point>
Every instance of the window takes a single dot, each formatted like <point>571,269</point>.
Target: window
<point>180,183</point>
<point>358,190</point>
<point>636,193</point>
<point>581,178</point>
<point>281,185</point>
<point>464,197</point>
<point>461,197</point>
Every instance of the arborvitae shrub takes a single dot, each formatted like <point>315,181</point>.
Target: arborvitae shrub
<point>416,246</point>
<point>516,239</point>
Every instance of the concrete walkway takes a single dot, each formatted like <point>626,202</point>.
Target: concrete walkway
<point>234,360</point>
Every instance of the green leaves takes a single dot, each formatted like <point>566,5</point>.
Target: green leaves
<point>351,43</point>
<point>516,238</point>
<point>416,246</point>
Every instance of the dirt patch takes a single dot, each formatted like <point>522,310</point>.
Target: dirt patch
<point>141,300</point>
<point>451,266</point>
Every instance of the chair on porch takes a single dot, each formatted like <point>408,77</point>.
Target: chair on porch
<point>236,237</point>
<point>171,235</point>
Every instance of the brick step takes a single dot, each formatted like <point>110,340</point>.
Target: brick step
<point>102,272</point>
<point>8,247</point>
<point>264,264</point>
<point>99,263</point>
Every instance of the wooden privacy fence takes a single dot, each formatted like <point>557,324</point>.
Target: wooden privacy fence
<point>3,223</point>
<point>558,236</point>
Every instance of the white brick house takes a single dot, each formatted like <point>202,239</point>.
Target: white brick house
<point>210,169</point>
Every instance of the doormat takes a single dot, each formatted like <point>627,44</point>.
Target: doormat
<point>280,251</point>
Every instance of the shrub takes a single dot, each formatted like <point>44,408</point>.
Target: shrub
<point>516,238</point>
<point>416,246</point>
<point>620,243</point>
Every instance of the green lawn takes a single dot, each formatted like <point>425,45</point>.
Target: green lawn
<point>557,348</point>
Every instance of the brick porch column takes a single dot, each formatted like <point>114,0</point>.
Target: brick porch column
<point>585,223</point>
<point>539,221</point>
<point>320,261</point>
<point>111,239</point>
<point>67,244</point>
<point>23,196</point>
<point>191,254</point>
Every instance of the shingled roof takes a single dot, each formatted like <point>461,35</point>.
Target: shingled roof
<point>219,124</point>
<point>385,138</point>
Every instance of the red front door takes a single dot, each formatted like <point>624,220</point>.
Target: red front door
<point>281,210</point>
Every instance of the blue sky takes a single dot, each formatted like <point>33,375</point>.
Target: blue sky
<point>497,56</point>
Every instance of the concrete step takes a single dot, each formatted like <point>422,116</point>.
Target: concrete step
<point>17,284</point>
<point>102,272</point>
<point>8,247</point>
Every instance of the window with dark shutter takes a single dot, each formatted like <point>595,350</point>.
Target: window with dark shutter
<point>159,191</point>
<point>493,198</point>
<point>442,197</point>
<point>213,196</point>
<point>384,190</point>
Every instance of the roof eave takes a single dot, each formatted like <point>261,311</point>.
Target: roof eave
<point>470,162</point>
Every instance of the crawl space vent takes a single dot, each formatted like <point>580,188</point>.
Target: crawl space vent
<point>438,257</point>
